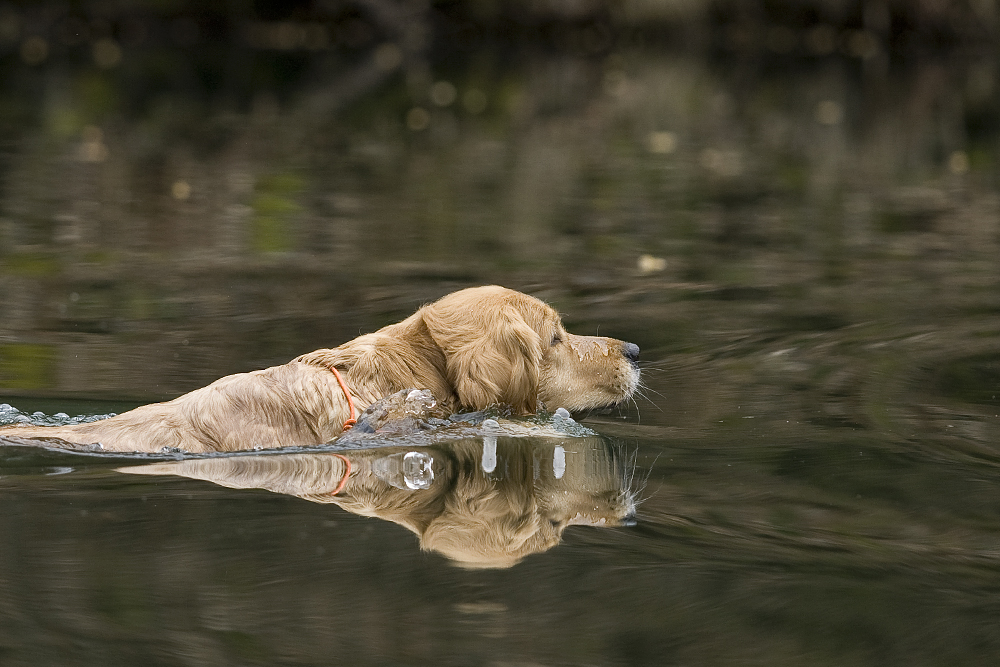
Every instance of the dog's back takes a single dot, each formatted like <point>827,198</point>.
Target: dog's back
<point>282,406</point>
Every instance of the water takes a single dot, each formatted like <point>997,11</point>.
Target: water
<point>795,215</point>
<point>760,537</point>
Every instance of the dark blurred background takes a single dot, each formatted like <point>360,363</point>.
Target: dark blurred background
<point>792,207</point>
<point>190,189</point>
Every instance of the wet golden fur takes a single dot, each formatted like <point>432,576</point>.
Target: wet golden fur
<point>473,348</point>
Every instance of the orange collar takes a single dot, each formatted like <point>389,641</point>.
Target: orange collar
<point>347,473</point>
<point>350,401</point>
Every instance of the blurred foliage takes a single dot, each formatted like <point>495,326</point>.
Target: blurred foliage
<point>281,176</point>
<point>26,366</point>
<point>275,210</point>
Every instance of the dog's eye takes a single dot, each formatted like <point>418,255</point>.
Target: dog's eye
<point>556,338</point>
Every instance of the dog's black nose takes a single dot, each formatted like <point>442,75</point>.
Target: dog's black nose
<point>631,351</point>
<point>628,521</point>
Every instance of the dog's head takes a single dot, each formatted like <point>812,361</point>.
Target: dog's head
<point>502,346</point>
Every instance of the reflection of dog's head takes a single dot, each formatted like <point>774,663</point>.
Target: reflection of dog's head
<point>487,345</point>
<point>478,515</point>
<point>522,507</point>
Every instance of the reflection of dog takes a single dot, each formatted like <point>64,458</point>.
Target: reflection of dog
<point>471,349</point>
<point>534,489</point>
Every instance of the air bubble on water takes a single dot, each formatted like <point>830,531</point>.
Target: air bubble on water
<point>406,470</point>
<point>559,462</point>
<point>489,461</point>
<point>418,470</point>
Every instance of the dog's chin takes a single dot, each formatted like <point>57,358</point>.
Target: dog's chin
<point>584,413</point>
<point>595,412</point>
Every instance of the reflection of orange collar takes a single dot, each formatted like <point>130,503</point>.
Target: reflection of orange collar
<point>347,473</point>
<point>350,403</point>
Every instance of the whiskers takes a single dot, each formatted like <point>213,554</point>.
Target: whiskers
<point>662,364</point>
<point>643,391</point>
<point>634,479</point>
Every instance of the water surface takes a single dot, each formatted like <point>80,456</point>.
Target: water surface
<point>777,538</point>
<point>794,212</point>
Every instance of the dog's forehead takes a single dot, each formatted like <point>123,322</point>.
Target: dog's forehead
<point>536,312</point>
<point>476,302</point>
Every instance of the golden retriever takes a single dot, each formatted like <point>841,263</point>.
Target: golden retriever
<point>478,519</point>
<point>471,349</point>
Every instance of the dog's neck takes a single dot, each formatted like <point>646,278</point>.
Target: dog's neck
<point>407,347</point>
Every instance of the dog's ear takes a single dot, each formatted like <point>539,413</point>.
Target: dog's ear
<point>491,357</point>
